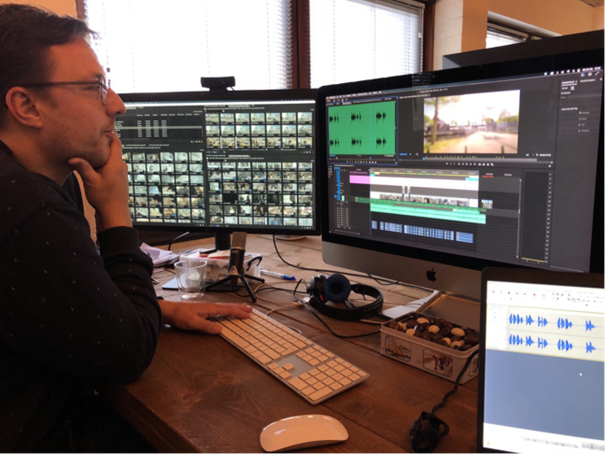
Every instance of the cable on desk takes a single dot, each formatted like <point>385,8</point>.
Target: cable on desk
<point>387,282</point>
<point>306,306</point>
<point>176,238</point>
<point>368,275</point>
<point>453,391</point>
<point>289,306</point>
<point>428,429</point>
<point>272,286</point>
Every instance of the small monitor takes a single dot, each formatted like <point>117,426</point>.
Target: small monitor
<point>429,178</point>
<point>222,162</point>
<point>541,380</point>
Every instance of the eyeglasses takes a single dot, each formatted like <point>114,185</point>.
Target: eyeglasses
<point>102,86</point>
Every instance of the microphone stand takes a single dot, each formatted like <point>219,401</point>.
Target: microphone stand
<point>233,277</point>
<point>236,263</point>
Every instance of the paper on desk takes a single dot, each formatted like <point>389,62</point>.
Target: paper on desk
<point>403,309</point>
<point>159,257</point>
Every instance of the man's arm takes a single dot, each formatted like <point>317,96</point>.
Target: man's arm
<point>107,191</point>
<point>65,306</point>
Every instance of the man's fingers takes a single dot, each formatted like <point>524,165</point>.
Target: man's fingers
<point>212,310</point>
<point>237,310</point>
<point>207,326</point>
<point>83,167</point>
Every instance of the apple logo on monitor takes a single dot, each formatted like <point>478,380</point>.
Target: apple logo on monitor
<point>431,275</point>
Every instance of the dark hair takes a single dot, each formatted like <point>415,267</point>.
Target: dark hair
<point>26,33</point>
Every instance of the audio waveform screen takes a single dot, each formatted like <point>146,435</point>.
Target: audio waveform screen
<point>365,129</point>
<point>544,356</point>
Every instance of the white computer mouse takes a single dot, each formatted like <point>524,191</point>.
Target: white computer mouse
<point>302,431</point>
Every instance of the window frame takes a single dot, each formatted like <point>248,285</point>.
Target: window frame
<point>516,33</point>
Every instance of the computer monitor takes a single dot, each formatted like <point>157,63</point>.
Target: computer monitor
<point>221,162</point>
<point>430,178</point>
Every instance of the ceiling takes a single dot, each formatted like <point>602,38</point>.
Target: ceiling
<point>594,2</point>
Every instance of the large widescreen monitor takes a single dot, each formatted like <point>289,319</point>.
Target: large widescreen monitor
<point>429,178</point>
<point>222,162</point>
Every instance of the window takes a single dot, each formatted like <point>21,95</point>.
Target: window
<point>167,45</point>
<point>150,45</point>
<point>501,36</point>
<point>356,40</point>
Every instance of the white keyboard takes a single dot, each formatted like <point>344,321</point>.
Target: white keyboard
<point>310,370</point>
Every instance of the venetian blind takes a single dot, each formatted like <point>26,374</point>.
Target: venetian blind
<point>497,37</point>
<point>161,45</point>
<point>364,39</point>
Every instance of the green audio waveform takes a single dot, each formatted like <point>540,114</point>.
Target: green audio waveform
<point>362,129</point>
<point>423,210</point>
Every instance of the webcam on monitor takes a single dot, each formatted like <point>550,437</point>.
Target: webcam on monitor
<point>218,83</point>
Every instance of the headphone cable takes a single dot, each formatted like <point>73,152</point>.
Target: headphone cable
<point>306,306</point>
<point>455,389</point>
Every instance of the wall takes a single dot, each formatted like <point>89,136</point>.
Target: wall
<point>61,7</point>
<point>461,25</point>
<point>564,17</point>
<point>597,18</point>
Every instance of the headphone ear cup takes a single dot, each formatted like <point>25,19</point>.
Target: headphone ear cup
<point>337,289</point>
<point>317,288</point>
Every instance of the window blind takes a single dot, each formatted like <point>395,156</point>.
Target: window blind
<point>153,45</point>
<point>497,37</point>
<point>364,39</point>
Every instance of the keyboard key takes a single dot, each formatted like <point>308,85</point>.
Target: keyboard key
<point>321,393</point>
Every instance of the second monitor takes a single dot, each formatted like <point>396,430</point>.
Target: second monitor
<point>221,162</point>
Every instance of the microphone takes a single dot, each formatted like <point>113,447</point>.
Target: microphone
<point>236,258</point>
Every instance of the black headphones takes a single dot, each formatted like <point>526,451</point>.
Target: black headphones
<point>336,289</point>
<point>427,431</point>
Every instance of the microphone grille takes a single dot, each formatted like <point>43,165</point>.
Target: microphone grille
<point>238,240</point>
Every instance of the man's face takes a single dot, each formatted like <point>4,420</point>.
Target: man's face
<point>76,123</point>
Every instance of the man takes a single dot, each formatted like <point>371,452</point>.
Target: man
<point>68,317</point>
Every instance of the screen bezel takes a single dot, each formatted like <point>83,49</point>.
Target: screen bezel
<point>235,96</point>
<point>482,72</point>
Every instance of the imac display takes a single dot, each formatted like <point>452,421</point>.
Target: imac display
<point>429,178</point>
<point>221,162</point>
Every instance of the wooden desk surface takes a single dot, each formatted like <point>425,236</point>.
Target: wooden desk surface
<point>202,394</point>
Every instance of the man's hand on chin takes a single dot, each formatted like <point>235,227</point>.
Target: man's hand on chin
<point>106,187</point>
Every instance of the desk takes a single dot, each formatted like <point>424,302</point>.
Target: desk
<point>202,394</point>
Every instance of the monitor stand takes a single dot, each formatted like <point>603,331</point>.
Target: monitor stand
<point>290,237</point>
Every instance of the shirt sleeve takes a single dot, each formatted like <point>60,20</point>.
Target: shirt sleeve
<point>68,308</point>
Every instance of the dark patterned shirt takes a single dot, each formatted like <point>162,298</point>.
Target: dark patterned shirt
<point>68,316</point>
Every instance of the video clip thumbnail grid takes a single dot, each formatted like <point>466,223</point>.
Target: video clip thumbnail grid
<point>235,193</point>
<point>259,130</point>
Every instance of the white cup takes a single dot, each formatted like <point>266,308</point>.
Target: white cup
<point>191,278</point>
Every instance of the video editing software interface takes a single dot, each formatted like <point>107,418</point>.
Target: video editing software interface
<point>495,169</point>
<point>543,368</point>
<point>232,164</point>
